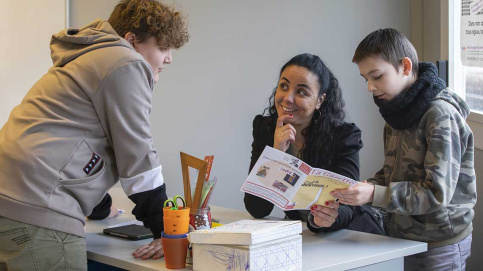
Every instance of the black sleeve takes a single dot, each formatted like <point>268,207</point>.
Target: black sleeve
<point>102,210</point>
<point>149,209</point>
<point>347,164</point>
<point>347,151</point>
<point>260,138</point>
<point>258,207</point>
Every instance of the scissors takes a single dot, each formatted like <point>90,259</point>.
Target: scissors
<point>174,202</point>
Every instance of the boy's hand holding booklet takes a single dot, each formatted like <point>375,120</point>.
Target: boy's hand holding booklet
<point>291,184</point>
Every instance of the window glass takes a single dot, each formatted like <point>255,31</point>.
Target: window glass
<point>467,81</point>
<point>474,88</point>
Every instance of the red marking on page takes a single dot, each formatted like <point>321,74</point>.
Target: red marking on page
<point>304,168</point>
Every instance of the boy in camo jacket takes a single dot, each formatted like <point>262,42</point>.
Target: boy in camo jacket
<point>427,185</point>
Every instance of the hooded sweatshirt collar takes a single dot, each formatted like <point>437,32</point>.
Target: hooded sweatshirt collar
<point>71,43</point>
<point>456,101</point>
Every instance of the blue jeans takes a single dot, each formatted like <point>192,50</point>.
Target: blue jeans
<point>28,247</point>
<point>451,257</point>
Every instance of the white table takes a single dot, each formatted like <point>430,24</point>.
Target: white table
<point>341,250</point>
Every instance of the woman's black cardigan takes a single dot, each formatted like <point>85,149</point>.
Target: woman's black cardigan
<point>347,145</point>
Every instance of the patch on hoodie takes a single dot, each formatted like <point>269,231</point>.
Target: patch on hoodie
<point>92,163</point>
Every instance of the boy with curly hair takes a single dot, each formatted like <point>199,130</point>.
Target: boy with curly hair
<point>81,128</point>
<point>427,184</point>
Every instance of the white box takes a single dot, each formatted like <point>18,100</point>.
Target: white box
<point>247,232</point>
<point>248,245</point>
<point>279,254</point>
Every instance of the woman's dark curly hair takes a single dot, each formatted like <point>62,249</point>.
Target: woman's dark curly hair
<point>150,18</point>
<point>319,149</point>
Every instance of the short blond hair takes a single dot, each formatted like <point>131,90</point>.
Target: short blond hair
<point>150,18</point>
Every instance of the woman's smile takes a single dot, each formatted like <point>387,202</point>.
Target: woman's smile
<point>288,110</point>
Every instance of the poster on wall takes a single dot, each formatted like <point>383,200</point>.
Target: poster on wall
<point>472,33</point>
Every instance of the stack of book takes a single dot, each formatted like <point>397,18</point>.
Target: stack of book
<point>248,245</point>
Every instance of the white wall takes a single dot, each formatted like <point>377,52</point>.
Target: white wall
<point>206,100</point>
<point>24,46</point>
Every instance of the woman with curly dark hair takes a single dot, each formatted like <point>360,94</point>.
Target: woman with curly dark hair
<point>83,127</point>
<point>306,119</point>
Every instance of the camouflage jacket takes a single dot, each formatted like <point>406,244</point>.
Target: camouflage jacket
<point>427,184</point>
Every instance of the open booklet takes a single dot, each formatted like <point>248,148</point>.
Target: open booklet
<point>291,184</point>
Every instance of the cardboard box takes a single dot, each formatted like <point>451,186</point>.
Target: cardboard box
<point>248,245</point>
<point>278,254</point>
<point>247,232</point>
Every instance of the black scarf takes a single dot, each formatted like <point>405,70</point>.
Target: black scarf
<point>409,106</point>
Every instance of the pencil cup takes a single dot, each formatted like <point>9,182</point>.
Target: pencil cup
<point>200,218</point>
<point>176,225</point>
<point>174,248</point>
<point>173,236</point>
<point>179,213</point>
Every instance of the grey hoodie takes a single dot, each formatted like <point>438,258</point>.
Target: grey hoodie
<point>81,128</point>
<point>428,184</point>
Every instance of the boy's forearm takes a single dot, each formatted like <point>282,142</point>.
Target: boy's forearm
<point>381,197</point>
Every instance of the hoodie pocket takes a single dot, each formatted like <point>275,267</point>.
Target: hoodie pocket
<point>78,197</point>
<point>82,164</point>
<point>83,182</point>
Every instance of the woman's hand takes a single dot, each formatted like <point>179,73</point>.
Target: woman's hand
<point>153,250</point>
<point>360,193</point>
<point>114,212</point>
<point>324,216</point>
<point>284,134</point>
